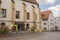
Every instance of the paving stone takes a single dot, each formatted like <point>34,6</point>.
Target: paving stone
<point>35,36</point>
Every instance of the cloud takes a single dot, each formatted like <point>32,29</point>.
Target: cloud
<point>46,1</point>
<point>50,1</point>
<point>55,10</point>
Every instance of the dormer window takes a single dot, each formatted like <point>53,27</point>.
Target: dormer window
<point>13,1</point>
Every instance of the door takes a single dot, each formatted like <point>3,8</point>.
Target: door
<point>20,25</point>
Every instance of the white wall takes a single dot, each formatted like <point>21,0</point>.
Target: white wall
<point>51,21</point>
<point>45,26</point>
<point>6,4</point>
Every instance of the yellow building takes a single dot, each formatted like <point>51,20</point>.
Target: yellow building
<point>24,13</point>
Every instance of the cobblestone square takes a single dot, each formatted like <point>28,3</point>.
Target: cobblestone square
<point>35,36</point>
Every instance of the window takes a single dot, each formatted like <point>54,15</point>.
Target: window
<point>13,1</point>
<point>27,26</point>
<point>0,1</point>
<point>17,14</point>
<point>33,6</point>
<point>45,28</point>
<point>44,23</point>
<point>3,13</point>
<point>33,9</point>
<point>28,16</point>
<point>35,16</point>
<point>42,15</point>
<point>59,17</point>
<point>24,6</point>
<point>55,22</point>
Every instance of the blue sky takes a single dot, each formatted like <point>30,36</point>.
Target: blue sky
<point>51,3</point>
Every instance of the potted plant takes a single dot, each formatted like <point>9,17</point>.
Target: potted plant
<point>3,31</point>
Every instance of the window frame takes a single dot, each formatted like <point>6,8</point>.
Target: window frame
<point>28,16</point>
<point>5,12</point>
<point>18,15</point>
<point>44,23</point>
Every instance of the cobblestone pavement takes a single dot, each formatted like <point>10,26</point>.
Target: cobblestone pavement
<point>35,36</point>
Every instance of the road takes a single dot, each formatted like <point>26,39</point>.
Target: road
<point>35,36</point>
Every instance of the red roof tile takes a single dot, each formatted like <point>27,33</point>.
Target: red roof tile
<point>45,14</point>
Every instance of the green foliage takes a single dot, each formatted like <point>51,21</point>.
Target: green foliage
<point>4,31</point>
<point>33,28</point>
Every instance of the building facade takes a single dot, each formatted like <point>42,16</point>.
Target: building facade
<point>57,23</point>
<point>49,22</point>
<point>24,13</point>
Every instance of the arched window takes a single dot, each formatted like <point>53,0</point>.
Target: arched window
<point>27,26</point>
<point>3,24</point>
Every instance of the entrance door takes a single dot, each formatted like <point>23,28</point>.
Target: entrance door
<point>20,25</point>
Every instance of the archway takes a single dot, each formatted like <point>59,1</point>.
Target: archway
<point>27,26</point>
<point>3,24</point>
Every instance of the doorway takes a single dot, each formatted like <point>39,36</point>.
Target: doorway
<point>21,25</point>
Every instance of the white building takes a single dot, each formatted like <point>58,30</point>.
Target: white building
<point>24,13</point>
<point>57,23</point>
<point>49,22</point>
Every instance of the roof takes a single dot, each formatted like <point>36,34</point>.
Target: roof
<point>32,1</point>
<point>45,14</point>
